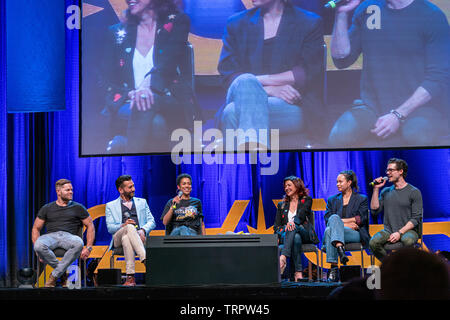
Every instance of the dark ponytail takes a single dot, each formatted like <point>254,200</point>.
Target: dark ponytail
<point>351,176</point>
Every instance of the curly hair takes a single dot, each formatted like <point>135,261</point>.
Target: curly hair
<point>183,175</point>
<point>162,8</point>
<point>302,191</point>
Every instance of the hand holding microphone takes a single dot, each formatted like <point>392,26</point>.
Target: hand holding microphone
<point>342,5</point>
<point>128,220</point>
<point>177,199</point>
<point>378,182</point>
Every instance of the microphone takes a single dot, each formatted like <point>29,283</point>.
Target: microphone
<point>333,4</point>
<point>374,183</point>
<point>179,194</point>
<point>127,216</point>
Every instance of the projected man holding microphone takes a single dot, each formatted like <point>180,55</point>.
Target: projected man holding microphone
<point>404,82</point>
<point>402,206</point>
<point>129,220</point>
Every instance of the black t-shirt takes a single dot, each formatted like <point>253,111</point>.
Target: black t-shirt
<point>268,51</point>
<point>68,218</point>
<point>344,211</point>
<point>187,213</point>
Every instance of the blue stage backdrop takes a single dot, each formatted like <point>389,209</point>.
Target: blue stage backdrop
<point>38,149</point>
<point>35,50</point>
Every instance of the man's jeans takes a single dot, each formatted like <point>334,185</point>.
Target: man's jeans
<point>336,232</point>
<point>46,243</point>
<point>424,126</point>
<point>183,231</point>
<point>249,107</point>
<point>378,241</point>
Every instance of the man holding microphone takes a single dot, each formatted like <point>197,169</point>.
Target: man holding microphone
<point>402,206</point>
<point>129,220</point>
<point>404,79</point>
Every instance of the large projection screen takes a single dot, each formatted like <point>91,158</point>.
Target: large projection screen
<point>404,65</point>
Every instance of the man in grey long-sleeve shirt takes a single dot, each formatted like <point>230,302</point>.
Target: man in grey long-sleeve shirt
<point>402,206</point>
<point>405,75</point>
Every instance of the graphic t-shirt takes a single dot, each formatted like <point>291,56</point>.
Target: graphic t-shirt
<point>187,213</point>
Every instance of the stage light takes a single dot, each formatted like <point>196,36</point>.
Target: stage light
<point>26,277</point>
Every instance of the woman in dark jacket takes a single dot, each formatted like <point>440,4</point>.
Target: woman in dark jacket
<point>272,67</point>
<point>292,222</point>
<point>347,220</point>
<point>145,72</point>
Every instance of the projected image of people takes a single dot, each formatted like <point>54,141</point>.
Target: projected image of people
<point>146,74</point>
<point>405,46</point>
<point>272,64</point>
<point>199,76</point>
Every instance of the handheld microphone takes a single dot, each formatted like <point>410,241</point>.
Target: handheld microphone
<point>374,183</point>
<point>179,194</point>
<point>333,4</point>
<point>127,216</point>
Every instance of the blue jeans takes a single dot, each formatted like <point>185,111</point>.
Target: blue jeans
<point>183,231</point>
<point>380,238</point>
<point>249,107</point>
<point>422,127</point>
<point>46,243</point>
<point>336,232</point>
<point>293,241</point>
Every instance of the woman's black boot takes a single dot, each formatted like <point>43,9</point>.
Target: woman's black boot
<point>342,256</point>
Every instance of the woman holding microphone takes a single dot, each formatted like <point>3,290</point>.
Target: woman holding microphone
<point>183,215</point>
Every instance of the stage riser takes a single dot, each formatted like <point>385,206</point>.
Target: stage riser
<point>212,260</point>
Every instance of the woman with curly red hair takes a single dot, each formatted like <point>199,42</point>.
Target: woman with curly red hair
<point>142,71</point>
<point>293,223</point>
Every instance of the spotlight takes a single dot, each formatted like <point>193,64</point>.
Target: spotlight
<point>26,277</point>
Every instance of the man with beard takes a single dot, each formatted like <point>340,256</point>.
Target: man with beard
<point>63,219</point>
<point>402,206</point>
<point>129,220</point>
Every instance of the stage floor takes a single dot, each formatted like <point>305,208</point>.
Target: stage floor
<point>285,290</point>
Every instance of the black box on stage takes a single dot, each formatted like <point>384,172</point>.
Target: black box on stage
<point>222,259</point>
<point>108,277</point>
<point>347,273</point>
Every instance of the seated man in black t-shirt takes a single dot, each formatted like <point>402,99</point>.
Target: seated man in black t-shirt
<point>183,214</point>
<point>63,219</point>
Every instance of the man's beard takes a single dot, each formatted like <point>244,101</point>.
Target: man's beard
<point>66,199</point>
<point>128,195</point>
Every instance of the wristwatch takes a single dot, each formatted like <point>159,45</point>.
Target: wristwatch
<point>399,116</point>
<point>89,248</point>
